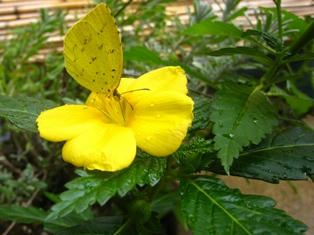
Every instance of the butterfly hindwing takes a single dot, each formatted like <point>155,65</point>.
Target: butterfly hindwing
<point>93,52</point>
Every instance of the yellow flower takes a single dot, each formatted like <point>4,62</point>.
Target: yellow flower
<point>152,112</point>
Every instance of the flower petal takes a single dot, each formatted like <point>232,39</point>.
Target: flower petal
<point>160,122</point>
<point>107,148</point>
<point>67,121</point>
<point>171,78</point>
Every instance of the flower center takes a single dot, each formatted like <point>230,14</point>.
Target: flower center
<point>115,109</point>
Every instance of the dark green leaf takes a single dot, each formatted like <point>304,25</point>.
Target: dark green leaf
<point>194,154</point>
<point>102,225</point>
<point>22,111</point>
<point>242,115</point>
<point>212,208</point>
<point>300,104</point>
<point>101,186</point>
<point>165,203</point>
<point>22,214</point>
<point>242,51</point>
<point>304,56</point>
<point>71,220</point>
<point>270,40</point>
<point>202,109</point>
<point>218,28</point>
<point>287,155</point>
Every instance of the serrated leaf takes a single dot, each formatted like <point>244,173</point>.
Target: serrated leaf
<point>22,214</point>
<point>201,111</point>
<point>193,155</point>
<point>212,208</point>
<point>22,111</point>
<point>210,27</point>
<point>101,186</point>
<point>286,155</point>
<point>242,115</point>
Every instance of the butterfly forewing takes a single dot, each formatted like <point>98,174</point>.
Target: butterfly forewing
<point>93,52</point>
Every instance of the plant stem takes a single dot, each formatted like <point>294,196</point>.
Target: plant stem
<point>265,80</point>
<point>122,227</point>
<point>307,36</point>
<point>278,7</point>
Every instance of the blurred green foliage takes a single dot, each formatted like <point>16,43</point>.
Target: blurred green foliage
<point>249,86</point>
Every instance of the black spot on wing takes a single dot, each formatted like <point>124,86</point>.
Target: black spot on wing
<point>100,46</point>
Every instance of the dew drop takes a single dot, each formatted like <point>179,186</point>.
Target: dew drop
<point>149,138</point>
<point>255,120</point>
<point>158,116</point>
<point>152,105</point>
<point>231,135</point>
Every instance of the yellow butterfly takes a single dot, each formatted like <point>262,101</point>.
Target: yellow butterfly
<point>93,51</point>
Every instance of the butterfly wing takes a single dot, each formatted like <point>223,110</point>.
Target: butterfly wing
<point>93,52</point>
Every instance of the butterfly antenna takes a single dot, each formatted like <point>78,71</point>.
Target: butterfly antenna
<point>141,89</point>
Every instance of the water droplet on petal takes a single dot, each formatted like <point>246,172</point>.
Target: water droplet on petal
<point>149,138</point>
<point>152,105</point>
<point>158,116</point>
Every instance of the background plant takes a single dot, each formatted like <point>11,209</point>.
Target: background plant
<point>251,88</point>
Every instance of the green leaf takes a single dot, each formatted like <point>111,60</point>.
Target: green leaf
<point>242,51</point>
<point>242,115</point>
<point>71,220</point>
<point>298,57</point>
<point>202,109</point>
<point>237,13</point>
<point>300,104</point>
<point>218,28</point>
<point>285,155</point>
<point>22,111</point>
<point>212,208</point>
<point>165,202</point>
<point>143,54</point>
<point>22,214</point>
<point>295,22</point>
<point>101,186</point>
<point>270,40</point>
<point>193,155</point>
<point>101,225</point>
